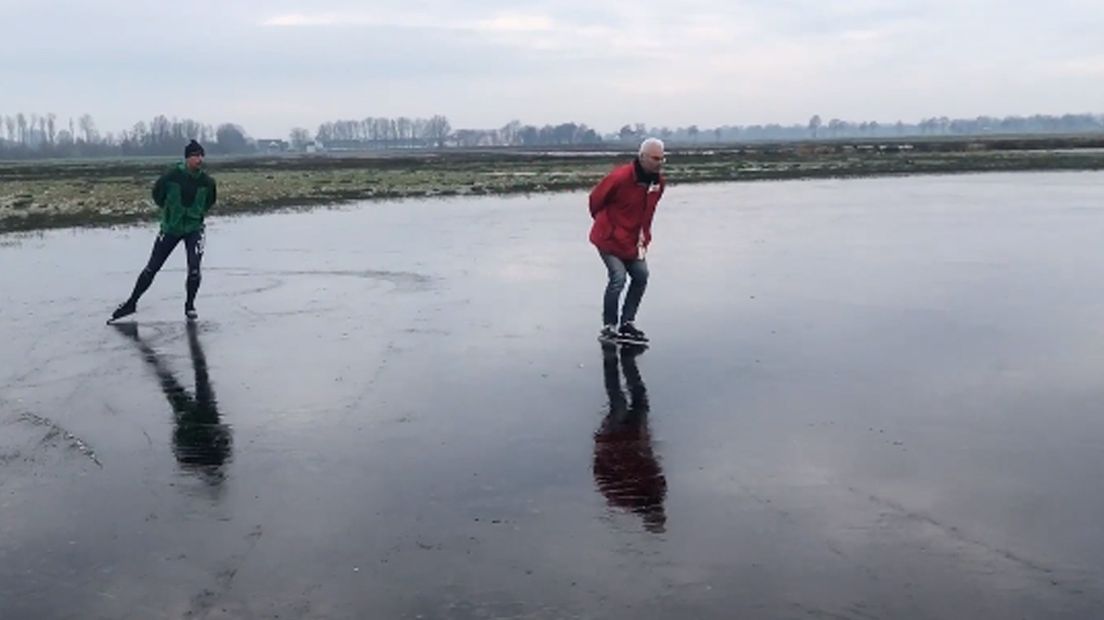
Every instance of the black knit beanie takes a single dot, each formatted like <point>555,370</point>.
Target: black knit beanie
<point>193,148</point>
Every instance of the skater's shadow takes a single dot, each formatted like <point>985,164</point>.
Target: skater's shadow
<point>201,443</point>
<point>626,469</point>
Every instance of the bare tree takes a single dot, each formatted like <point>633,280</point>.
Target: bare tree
<point>190,129</point>
<point>379,129</point>
<point>51,127</point>
<point>21,122</point>
<point>814,125</point>
<point>468,138</point>
<point>160,131</point>
<point>232,139</point>
<point>299,138</point>
<point>438,129</point>
<point>140,133</point>
<point>509,132</point>
<point>420,130</point>
<point>88,128</point>
<point>405,128</point>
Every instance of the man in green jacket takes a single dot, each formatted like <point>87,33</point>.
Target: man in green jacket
<point>184,193</point>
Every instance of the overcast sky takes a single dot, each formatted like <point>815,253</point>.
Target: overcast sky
<point>270,66</point>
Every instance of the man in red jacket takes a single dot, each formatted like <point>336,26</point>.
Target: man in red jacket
<point>622,206</point>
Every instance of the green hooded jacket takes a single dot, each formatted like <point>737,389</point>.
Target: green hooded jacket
<point>184,198</point>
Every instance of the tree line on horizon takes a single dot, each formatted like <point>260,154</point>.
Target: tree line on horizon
<point>37,136</point>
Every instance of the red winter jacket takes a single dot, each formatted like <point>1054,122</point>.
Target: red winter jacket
<point>622,209</point>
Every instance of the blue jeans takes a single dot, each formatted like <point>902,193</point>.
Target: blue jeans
<point>618,270</point>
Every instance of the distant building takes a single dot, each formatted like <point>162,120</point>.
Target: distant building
<point>343,145</point>
<point>272,146</point>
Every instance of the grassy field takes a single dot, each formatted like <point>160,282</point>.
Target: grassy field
<point>47,194</point>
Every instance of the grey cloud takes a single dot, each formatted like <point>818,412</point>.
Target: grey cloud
<point>705,61</point>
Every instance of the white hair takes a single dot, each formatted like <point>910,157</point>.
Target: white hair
<point>650,142</point>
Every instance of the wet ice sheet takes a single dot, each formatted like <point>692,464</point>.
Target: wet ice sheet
<point>867,398</point>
